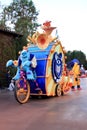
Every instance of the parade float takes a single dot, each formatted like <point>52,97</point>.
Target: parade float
<point>40,66</point>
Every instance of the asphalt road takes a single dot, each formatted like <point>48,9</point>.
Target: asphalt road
<point>68,112</point>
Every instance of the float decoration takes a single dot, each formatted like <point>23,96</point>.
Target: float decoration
<point>42,40</point>
<point>42,64</point>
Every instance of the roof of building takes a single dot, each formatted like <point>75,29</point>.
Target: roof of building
<point>11,32</point>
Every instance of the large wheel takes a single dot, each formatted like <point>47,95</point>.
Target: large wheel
<point>22,93</point>
<point>58,91</point>
<point>65,88</point>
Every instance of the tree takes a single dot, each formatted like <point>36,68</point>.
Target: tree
<point>23,16</point>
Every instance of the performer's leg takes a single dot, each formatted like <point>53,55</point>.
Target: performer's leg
<point>73,88</point>
<point>78,84</point>
<point>74,84</point>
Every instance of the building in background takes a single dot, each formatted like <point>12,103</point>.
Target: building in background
<point>7,50</point>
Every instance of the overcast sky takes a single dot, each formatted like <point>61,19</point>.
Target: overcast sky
<point>70,18</point>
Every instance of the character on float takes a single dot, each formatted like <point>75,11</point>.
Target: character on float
<point>26,62</point>
<point>76,76</point>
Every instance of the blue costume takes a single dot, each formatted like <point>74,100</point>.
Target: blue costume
<point>25,64</point>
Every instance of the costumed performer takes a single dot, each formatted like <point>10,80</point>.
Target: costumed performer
<point>76,76</point>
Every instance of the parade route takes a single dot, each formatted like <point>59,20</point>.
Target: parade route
<point>68,112</point>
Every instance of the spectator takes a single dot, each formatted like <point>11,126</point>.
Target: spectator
<point>11,86</point>
<point>82,70</point>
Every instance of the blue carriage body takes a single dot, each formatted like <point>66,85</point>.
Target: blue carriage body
<point>46,68</point>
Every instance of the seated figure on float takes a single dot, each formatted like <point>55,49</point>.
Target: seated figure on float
<point>25,62</point>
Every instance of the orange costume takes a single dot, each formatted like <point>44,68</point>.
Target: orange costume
<point>76,78</point>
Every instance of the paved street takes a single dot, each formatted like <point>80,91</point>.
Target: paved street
<point>67,112</point>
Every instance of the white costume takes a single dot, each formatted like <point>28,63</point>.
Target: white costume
<point>11,86</point>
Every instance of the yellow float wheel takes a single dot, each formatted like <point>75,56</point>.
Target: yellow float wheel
<point>22,94</point>
<point>65,88</point>
<point>58,90</point>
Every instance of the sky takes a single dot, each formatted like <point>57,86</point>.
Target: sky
<point>68,16</point>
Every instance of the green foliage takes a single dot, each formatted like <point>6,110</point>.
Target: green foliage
<point>19,43</point>
<point>23,16</point>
